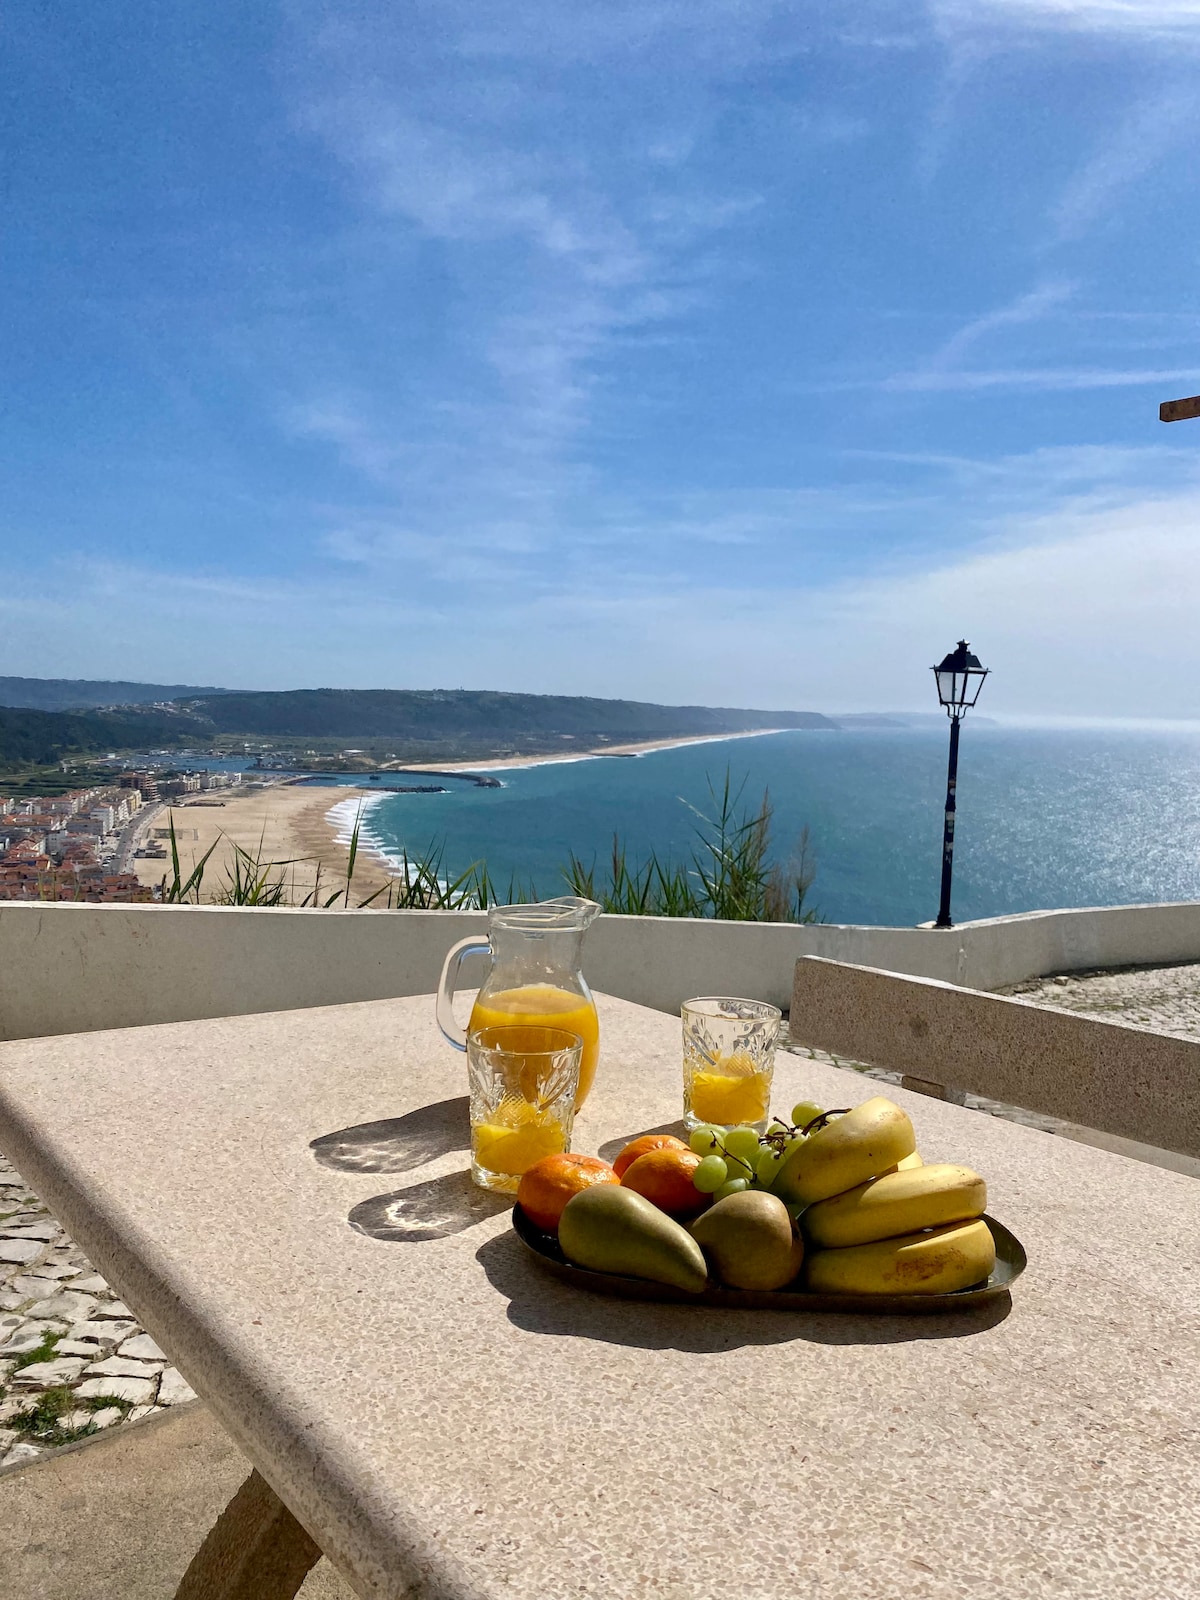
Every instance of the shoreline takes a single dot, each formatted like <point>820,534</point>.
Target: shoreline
<point>634,749</point>
<point>296,827</point>
<point>340,825</point>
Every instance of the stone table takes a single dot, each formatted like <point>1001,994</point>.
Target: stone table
<point>282,1200</point>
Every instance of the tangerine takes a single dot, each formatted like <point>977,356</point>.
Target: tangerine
<point>548,1184</point>
<point>639,1146</point>
<point>664,1177</point>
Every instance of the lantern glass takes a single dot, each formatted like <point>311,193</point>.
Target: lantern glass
<point>946,688</point>
<point>959,679</point>
<point>972,682</point>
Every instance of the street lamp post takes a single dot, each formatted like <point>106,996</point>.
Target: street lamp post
<point>959,680</point>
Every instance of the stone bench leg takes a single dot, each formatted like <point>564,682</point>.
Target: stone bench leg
<point>256,1550</point>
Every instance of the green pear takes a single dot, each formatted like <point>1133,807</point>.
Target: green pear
<point>611,1229</point>
<point>750,1241</point>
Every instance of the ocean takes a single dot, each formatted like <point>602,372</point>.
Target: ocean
<point>1046,817</point>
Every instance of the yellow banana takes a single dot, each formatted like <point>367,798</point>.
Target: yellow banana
<point>913,1160</point>
<point>938,1262</point>
<point>865,1142</point>
<point>898,1202</point>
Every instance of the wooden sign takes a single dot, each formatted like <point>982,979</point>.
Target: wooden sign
<point>1177,410</point>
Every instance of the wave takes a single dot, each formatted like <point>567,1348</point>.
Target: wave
<point>343,817</point>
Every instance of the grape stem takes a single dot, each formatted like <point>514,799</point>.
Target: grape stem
<point>778,1137</point>
<point>818,1123</point>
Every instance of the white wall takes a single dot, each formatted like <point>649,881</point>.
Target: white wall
<point>72,968</point>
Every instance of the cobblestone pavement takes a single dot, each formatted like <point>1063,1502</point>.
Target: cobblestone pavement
<point>1166,999</point>
<point>72,1359</point>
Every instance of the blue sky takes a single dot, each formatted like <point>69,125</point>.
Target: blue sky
<point>743,353</point>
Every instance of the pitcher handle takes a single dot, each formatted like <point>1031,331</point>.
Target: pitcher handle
<point>446,985</point>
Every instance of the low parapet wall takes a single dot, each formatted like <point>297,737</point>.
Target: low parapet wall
<point>74,968</point>
<point>1125,1081</point>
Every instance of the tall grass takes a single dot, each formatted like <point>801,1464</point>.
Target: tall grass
<point>731,874</point>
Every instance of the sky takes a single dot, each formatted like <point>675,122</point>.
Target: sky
<point>734,352</point>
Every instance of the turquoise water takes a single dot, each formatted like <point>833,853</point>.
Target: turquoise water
<point>1045,818</point>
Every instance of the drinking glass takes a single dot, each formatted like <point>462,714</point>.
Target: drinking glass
<point>523,1086</point>
<point>728,1061</point>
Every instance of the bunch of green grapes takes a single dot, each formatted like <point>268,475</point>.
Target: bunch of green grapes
<point>740,1159</point>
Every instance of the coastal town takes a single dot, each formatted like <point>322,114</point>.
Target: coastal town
<point>82,844</point>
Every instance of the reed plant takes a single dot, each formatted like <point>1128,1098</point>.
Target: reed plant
<point>731,876</point>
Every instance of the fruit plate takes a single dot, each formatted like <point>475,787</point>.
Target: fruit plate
<point>1010,1263</point>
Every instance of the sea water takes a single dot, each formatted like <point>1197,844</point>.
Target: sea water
<point>1047,817</point>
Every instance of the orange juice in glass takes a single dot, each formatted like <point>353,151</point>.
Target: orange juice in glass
<point>523,1084</point>
<point>728,1061</point>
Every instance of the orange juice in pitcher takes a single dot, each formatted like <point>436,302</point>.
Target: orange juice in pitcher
<point>535,979</point>
<point>542,1005</point>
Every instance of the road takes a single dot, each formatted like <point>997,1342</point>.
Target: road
<point>133,836</point>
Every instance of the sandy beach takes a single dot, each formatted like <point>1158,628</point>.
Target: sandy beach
<point>283,823</point>
<point>289,824</point>
<point>506,763</point>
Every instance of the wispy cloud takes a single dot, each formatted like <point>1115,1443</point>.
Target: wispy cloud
<point>561,242</point>
<point>1079,608</point>
<point>1049,378</point>
<point>1031,307</point>
<point>1139,143</point>
<point>944,373</point>
<point>1173,21</point>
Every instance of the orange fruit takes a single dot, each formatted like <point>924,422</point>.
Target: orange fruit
<point>639,1146</point>
<point>664,1177</point>
<point>548,1184</point>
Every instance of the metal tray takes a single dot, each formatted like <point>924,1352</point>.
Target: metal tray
<point>1010,1263</point>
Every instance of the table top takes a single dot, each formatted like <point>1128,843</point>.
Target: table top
<point>449,1420</point>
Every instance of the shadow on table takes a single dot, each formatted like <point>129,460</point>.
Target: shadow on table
<point>397,1144</point>
<point>540,1304</point>
<point>431,1210</point>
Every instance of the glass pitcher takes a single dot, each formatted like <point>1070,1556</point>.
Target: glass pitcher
<point>535,977</point>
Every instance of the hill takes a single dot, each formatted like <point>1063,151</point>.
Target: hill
<point>80,694</point>
<point>482,716</point>
<point>38,738</point>
<point>405,724</point>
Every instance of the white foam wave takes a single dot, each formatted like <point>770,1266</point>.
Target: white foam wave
<point>343,816</point>
<point>358,809</point>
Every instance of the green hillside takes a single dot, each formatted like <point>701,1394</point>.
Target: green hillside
<point>82,694</point>
<point>37,738</point>
<point>486,716</point>
<point>404,724</point>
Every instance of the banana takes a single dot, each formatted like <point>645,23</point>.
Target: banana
<point>898,1202</point>
<point>865,1142</point>
<point>913,1160</point>
<point>938,1262</point>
